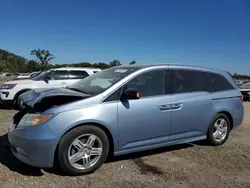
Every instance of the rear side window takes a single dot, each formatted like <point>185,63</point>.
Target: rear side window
<point>78,74</point>
<point>183,81</point>
<point>216,82</point>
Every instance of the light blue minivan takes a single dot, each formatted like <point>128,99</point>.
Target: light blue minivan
<point>121,110</point>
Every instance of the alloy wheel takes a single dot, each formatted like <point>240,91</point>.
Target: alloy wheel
<point>85,151</point>
<point>220,129</point>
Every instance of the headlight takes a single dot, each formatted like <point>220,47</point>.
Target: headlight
<point>8,86</point>
<point>34,119</point>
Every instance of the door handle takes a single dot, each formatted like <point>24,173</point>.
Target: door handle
<point>63,83</point>
<point>176,106</point>
<point>164,107</point>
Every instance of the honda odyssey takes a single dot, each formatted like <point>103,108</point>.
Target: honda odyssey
<point>121,110</point>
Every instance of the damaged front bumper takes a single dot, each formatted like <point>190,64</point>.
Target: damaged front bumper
<point>33,145</point>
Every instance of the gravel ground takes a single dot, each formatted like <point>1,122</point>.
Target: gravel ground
<point>189,165</point>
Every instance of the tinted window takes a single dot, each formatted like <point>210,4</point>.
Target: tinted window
<point>78,74</point>
<point>216,82</point>
<point>183,81</point>
<point>149,84</point>
<point>114,96</point>
<point>58,75</point>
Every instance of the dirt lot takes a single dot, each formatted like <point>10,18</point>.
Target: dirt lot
<point>188,165</point>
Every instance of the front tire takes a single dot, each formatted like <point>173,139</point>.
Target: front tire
<point>83,150</point>
<point>218,131</point>
<point>19,104</point>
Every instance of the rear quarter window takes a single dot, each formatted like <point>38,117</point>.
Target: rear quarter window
<point>215,82</point>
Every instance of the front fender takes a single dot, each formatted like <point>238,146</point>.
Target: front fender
<point>103,114</point>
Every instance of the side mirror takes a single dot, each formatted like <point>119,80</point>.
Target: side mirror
<point>130,93</point>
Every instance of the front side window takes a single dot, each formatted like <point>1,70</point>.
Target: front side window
<point>78,74</point>
<point>183,81</point>
<point>58,75</point>
<point>216,82</point>
<point>115,96</point>
<point>100,81</point>
<point>149,84</point>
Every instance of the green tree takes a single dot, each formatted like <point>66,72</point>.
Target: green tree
<point>32,66</point>
<point>115,63</point>
<point>132,62</point>
<point>44,57</point>
<point>101,65</point>
<point>4,66</point>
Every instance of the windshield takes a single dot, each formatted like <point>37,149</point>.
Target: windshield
<point>100,81</point>
<point>41,76</point>
<point>33,75</point>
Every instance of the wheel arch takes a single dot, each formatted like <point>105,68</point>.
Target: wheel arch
<point>20,92</point>
<point>229,116</point>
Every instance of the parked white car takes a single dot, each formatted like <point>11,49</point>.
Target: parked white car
<point>54,78</point>
<point>25,75</point>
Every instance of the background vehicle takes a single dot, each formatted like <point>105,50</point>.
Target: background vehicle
<point>245,90</point>
<point>122,110</point>
<point>62,77</point>
<point>27,76</point>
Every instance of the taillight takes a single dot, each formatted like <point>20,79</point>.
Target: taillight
<point>241,98</point>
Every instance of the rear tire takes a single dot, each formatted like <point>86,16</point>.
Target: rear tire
<point>218,131</point>
<point>83,150</point>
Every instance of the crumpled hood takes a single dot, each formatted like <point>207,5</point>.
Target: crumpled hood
<point>50,97</point>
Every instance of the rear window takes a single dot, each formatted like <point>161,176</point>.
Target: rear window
<point>216,82</point>
<point>183,81</point>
